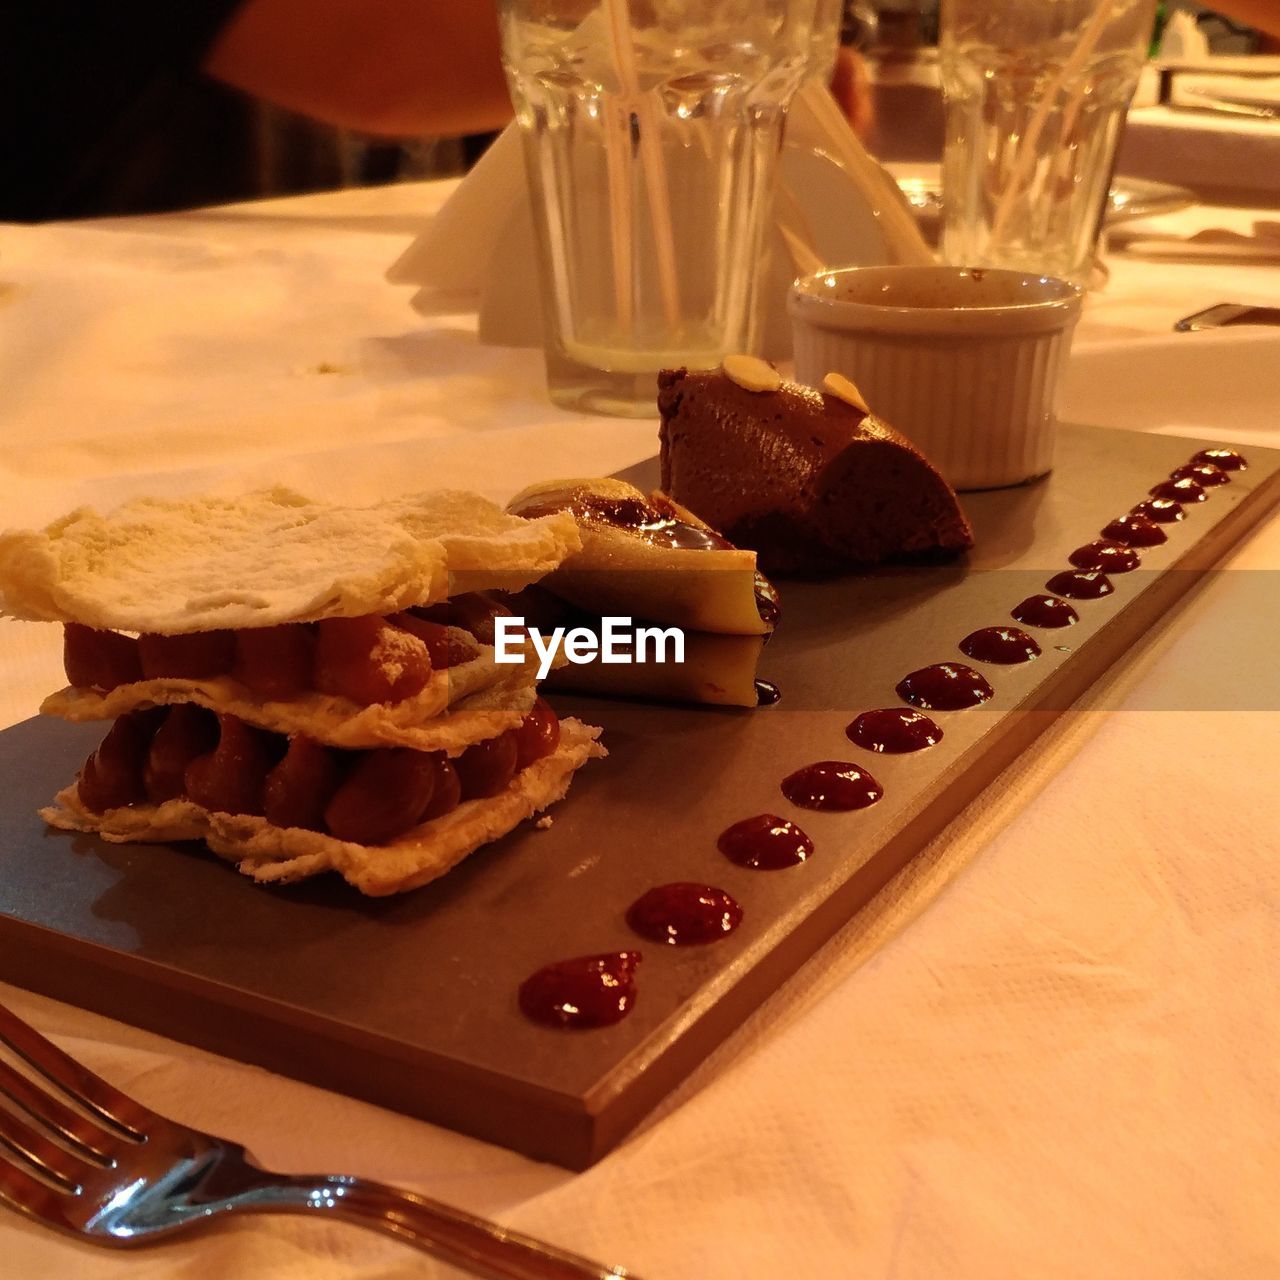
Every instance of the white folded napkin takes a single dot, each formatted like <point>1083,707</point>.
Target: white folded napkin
<point>1182,40</point>
<point>835,207</point>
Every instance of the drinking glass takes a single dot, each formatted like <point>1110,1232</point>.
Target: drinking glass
<point>1036,93</point>
<point>651,132</point>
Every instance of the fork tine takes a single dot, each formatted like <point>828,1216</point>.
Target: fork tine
<point>76,1081</point>
<point>38,1151</point>
<point>25,1192</point>
<point>60,1120</point>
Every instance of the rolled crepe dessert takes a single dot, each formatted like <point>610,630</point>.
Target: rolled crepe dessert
<point>298,683</point>
<point>647,558</point>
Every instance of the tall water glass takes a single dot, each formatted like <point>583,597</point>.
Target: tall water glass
<point>1036,93</point>
<point>651,131</point>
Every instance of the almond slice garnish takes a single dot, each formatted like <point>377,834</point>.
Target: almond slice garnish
<point>843,388</point>
<point>751,373</point>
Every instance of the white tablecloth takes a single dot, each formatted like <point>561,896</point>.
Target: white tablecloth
<point>1208,151</point>
<point>1050,1049</point>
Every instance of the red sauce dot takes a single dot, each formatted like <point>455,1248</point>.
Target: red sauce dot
<point>893,731</point>
<point>684,914</point>
<point>765,843</point>
<point>1223,459</point>
<point>833,785</point>
<point>945,686</point>
<point>586,991</point>
<point>1135,531</point>
<point>1184,490</point>
<point>1204,473</point>
<point>1076,584</point>
<point>1114,557</point>
<point>1004,645</point>
<point>1044,611</point>
<point>1161,510</point>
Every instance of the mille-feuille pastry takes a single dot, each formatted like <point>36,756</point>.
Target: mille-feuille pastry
<point>645,557</point>
<point>811,479</point>
<point>281,684</point>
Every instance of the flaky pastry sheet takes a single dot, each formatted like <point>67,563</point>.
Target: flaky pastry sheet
<point>269,557</point>
<point>459,706</point>
<point>279,854</point>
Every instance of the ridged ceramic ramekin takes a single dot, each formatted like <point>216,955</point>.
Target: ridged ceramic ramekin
<point>963,361</point>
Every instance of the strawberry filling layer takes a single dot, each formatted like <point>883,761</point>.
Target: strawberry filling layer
<point>366,660</point>
<point>224,765</point>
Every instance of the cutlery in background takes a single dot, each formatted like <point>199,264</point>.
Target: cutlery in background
<point>1225,313</point>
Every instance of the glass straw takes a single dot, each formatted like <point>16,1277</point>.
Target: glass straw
<point>655,171</point>
<point>1027,156</point>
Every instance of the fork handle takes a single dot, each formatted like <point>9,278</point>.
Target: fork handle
<point>480,1247</point>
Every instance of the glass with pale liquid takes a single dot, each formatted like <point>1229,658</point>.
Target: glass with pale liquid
<point>1036,93</point>
<point>651,131</point>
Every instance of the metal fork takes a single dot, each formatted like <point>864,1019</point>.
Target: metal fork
<point>119,1174</point>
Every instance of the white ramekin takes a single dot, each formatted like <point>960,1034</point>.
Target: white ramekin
<point>963,361</point>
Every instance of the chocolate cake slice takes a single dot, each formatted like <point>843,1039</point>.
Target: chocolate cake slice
<point>805,479</point>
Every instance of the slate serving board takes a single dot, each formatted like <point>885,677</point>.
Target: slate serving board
<point>410,1002</point>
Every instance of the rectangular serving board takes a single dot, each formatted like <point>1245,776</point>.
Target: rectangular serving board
<point>410,1002</point>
